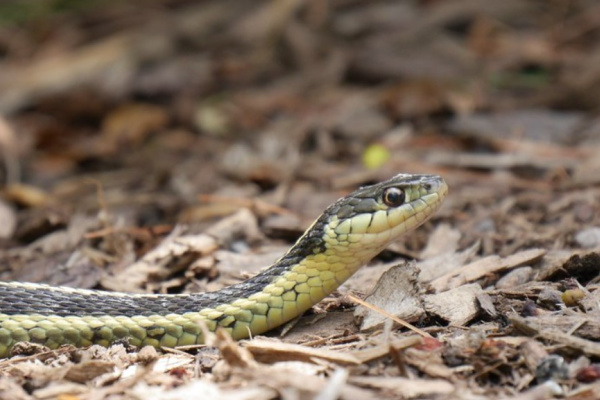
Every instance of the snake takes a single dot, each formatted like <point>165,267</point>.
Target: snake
<point>348,234</point>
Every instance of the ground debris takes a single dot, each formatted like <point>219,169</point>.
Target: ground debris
<point>184,147</point>
<point>272,351</point>
<point>398,293</point>
<point>485,266</point>
<point>457,306</point>
<point>407,388</point>
<point>534,327</point>
<point>583,268</point>
<point>176,253</point>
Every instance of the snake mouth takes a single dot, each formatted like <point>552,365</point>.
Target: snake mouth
<point>433,190</point>
<point>442,188</point>
<point>439,187</point>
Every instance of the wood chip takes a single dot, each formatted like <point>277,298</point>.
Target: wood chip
<point>442,264</point>
<point>365,279</point>
<point>546,390</point>
<point>533,328</point>
<point>334,387</point>
<point>582,267</point>
<point>586,325</point>
<point>88,370</point>
<point>406,388</point>
<point>9,389</point>
<point>232,352</point>
<point>396,292</point>
<point>443,240</point>
<point>485,266</point>
<point>429,363</point>
<point>514,278</point>
<point>381,350</point>
<point>286,377</point>
<point>457,306</point>
<point>486,304</point>
<point>552,262</point>
<point>201,389</point>
<point>60,391</point>
<point>533,353</point>
<point>271,351</point>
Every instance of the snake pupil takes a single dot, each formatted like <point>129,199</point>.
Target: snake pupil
<point>393,197</point>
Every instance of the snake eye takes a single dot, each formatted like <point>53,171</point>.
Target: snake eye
<point>393,197</point>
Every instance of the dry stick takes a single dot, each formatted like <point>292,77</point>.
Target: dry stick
<point>390,316</point>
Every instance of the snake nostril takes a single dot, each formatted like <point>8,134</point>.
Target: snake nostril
<point>427,186</point>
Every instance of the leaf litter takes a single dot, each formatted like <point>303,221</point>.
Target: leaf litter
<point>182,147</point>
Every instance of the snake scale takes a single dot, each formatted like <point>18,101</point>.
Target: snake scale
<point>348,234</point>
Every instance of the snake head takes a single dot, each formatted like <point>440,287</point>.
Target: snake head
<point>363,223</point>
<point>375,215</point>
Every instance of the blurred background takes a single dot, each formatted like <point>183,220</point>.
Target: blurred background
<point>125,124</point>
<point>148,114</point>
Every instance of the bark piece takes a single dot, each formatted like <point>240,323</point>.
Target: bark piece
<point>457,306</point>
<point>515,278</point>
<point>406,388</point>
<point>533,353</point>
<point>581,267</point>
<point>442,264</point>
<point>532,327</point>
<point>397,292</point>
<point>485,266</point>
<point>88,370</point>
<point>272,351</point>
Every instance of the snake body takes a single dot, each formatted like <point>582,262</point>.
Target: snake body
<point>348,234</point>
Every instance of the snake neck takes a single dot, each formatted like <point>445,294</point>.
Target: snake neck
<point>313,268</point>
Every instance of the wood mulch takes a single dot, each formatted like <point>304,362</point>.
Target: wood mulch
<point>176,146</point>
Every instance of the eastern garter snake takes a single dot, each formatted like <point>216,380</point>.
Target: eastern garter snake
<point>348,234</point>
